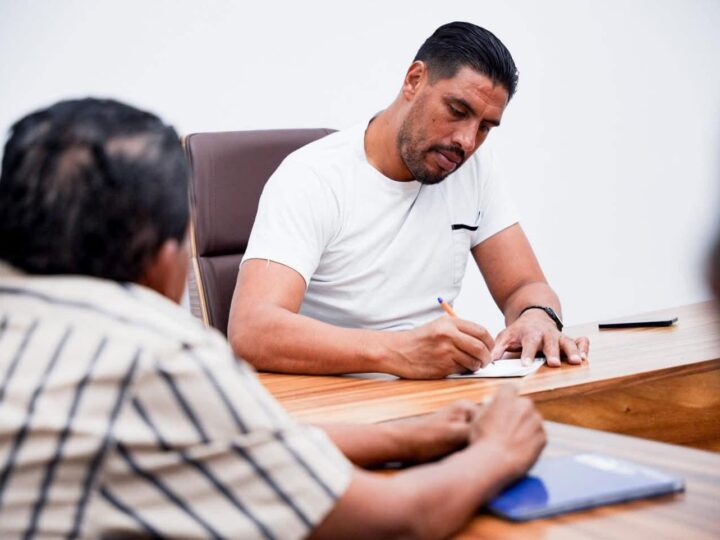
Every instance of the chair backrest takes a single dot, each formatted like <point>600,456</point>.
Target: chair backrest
<point>229,171</point>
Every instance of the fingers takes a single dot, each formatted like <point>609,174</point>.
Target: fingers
<point>569,347</point>
<point>583,345</point>
<point>506,393</point>
<point>469,362</point>
<point>469,345</point>
<point>575,350</point>
<point>551,348</point>
<point>473,353</point>
<point>513,411</point>
<point>530,346</point>
<point>462,410</point>
<point>476,331</point>
<point>519,412</point>
<point>502,342</point>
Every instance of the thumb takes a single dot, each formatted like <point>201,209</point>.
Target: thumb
<point>506,392</point>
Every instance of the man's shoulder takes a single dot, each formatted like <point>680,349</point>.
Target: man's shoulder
<point>118,311</point>
<point>328,155</point>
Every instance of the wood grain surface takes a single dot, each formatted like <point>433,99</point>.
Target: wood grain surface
<point>658,370</point>
<point>694,514</point>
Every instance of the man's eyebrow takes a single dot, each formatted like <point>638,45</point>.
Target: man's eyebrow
<point>461,101</point>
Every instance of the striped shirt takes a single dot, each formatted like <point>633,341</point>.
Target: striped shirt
<point>121,415</point>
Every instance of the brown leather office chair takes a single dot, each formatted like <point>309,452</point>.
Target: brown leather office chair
<point>229,171</point>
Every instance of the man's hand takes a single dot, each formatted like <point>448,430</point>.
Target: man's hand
<point>409,440</point>
<point>439,348</point>
<point>513,426</point>
<point>534,332</point>
<point>435,435</point>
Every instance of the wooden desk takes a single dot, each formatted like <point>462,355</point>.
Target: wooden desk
<point>694,514</point>
<point>659,383</point>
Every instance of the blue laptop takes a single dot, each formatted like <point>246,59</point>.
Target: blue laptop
<point>565,484</point>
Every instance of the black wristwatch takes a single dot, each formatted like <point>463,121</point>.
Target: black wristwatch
<point>551,313</point>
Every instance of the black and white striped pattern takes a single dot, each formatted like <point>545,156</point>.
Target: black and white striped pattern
<point>119,414</point>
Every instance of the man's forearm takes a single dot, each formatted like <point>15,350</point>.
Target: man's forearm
<point>371,444</point>
<point>408,440</point>
<point>275,339</point>
<point>425,502</point>
<point>448,493</point>
<point>536,293</point>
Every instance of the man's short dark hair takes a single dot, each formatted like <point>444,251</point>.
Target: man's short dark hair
<point>461,44</point>
<point>91,187</point>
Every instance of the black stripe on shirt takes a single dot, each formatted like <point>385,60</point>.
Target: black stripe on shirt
<point>3,325</point>
<point>18,291</point>
<point>184,405</point>
<point>16,359</point>
<point>300,461</point>
<point>125,509</point>
<point>52,466</point>
<point>201,468</point>
<point>22,433</point>
<point>249,381</point>
<point>162,488</point>
<point>140,409</point>
<point>100,454</point>
<point>272,484</point>
<point>223,395</point>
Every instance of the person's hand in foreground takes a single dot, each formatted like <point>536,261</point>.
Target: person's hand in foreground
<point>435,500</point>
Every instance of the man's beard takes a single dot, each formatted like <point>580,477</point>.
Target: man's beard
<point>409,145</point>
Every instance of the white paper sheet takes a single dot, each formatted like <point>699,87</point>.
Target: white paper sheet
<point>510,367</point>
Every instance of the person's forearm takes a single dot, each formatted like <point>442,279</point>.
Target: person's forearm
<point>275,339</point>
<point>426,502</point>
<point>372,444</point>
<point>444,495</point>
<point>537,293</point>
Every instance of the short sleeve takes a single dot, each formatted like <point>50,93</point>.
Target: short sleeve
<point>203,450</point>
<point>297,216</point>
<point>497,211</point>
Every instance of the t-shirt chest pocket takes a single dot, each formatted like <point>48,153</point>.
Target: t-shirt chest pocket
<point>461,237</point>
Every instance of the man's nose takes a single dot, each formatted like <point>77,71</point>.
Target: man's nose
<point>465,139</point>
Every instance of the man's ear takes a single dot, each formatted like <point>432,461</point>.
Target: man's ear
<point>166,273</point>
<point>414,78</point>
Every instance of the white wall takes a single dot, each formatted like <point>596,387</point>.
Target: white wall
<point>611,146</point>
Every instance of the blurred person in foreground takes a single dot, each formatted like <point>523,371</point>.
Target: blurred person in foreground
<point>121,415</point>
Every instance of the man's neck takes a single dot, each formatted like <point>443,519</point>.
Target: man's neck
<point>381,148</point>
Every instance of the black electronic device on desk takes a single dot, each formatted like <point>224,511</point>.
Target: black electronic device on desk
<point>637,322</point>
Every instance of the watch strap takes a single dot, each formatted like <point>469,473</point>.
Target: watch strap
<point>550,313</point>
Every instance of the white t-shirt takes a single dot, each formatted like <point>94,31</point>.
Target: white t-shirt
<point>374,252</point>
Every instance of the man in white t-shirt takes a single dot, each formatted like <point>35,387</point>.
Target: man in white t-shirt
<point>359,233</point>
